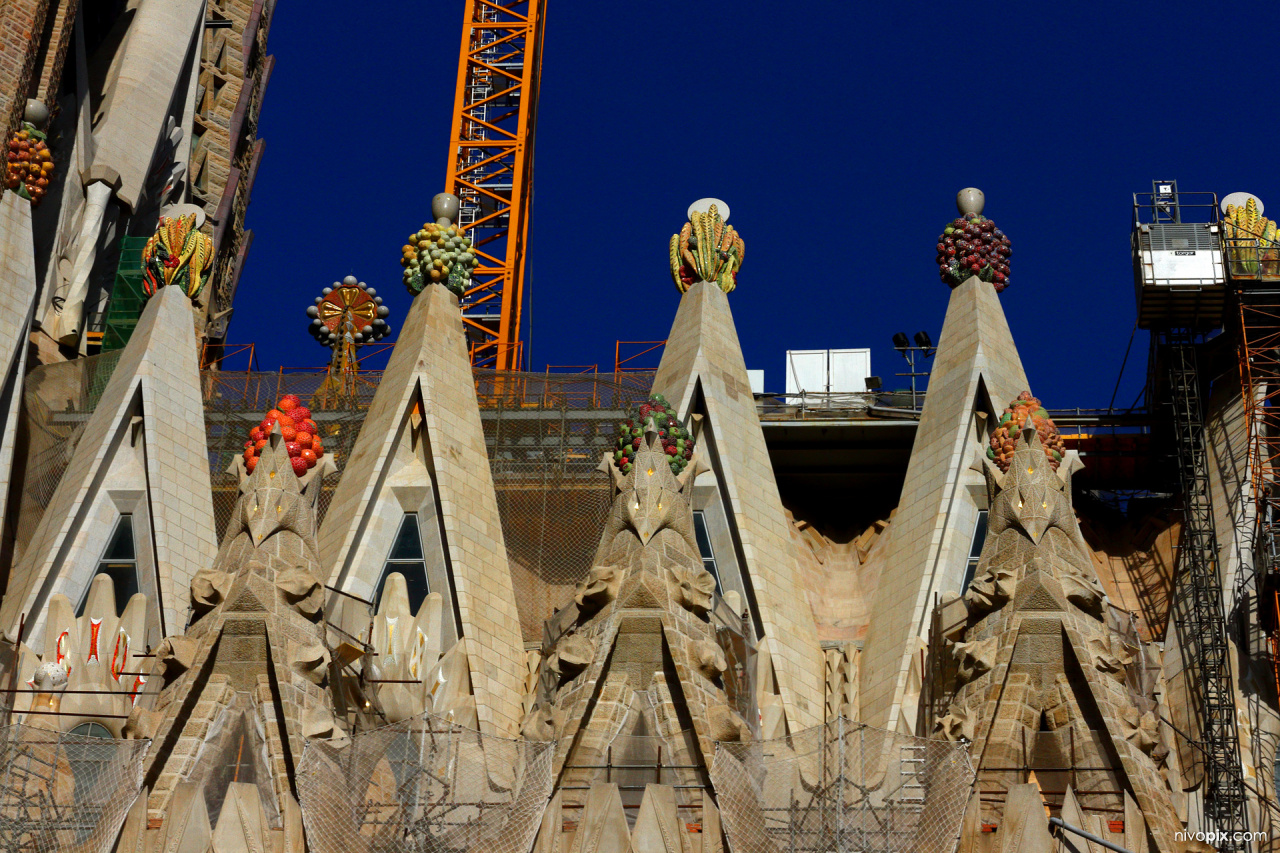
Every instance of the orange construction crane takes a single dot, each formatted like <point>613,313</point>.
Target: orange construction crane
<point>491,166</point>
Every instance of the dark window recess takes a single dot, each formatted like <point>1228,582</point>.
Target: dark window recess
<point>120,563</point>
<point>407,559</point>
<point>975,549</point>
<point>704,547</point>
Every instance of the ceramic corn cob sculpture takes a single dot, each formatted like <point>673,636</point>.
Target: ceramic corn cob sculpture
<point>706,249</point>
<point>177,254</point>
<point>1251,241</point>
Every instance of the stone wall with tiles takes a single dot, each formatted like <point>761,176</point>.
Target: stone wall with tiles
<point>703,350</point>
<point>929,540</point>
<point>430,367</point>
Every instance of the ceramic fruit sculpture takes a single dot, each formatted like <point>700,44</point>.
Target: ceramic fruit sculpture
<point>30,164</point>
<point>1009,430</point>
<point>677,441</point>
<point>706,249</point>
<point>972,245</point>
<point>178,254</point>
<point>1252,242</point>
<point>298,430</point>
<point>438,254</point>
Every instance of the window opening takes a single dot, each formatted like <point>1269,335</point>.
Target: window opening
<point>704,547</point>
<point>975,549</point>
<point>406,557</point>
<point>120,563</point>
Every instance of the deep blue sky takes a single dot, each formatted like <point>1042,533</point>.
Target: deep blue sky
<point>838,132</point>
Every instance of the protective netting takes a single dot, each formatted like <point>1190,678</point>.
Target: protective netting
<point>235,402</point>
<point>843,787</point>
<point>62,792</point>
<point>57,400</point>
<point>424,786</point>
<point>546,433</point>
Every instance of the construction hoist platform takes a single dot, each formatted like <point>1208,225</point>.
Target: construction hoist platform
<point>1181,283</point>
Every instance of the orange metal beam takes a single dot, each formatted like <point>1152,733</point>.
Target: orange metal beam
<point>491,166</point>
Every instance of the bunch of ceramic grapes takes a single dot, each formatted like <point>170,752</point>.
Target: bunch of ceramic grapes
<point>973,245</point>
<point>299,433</point>
<point>677,441</point>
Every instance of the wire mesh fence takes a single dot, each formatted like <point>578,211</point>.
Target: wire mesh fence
<point>424,785</point>
<point>546,434</point>
<point>57,401</point>
<point>843,787</point>
<point>64,792</point>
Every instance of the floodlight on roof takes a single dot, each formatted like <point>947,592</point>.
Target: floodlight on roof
<point>901,342</point>
<point>923,340</point>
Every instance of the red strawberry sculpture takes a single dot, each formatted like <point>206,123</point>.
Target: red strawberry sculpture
<point>296,428</point>
<point>677,442</point>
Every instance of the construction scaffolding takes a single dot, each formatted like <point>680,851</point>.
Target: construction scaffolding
<point>843,786</point>
<point>64,792</point>
<point>1259,302</point>
<point>424,785</point>
<point>1198,606</point>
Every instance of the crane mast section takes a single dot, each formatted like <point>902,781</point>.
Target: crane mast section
<point>491,167</point>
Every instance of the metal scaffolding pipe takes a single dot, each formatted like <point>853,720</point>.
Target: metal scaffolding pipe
<point>1088,836</point>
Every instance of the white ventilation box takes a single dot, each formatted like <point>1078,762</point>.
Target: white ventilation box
<point>828,371</point>
<point>756,378</point>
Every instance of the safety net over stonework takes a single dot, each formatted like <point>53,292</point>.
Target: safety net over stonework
<point>424,786</point>
<point>546,433</point>
<point>57,401</point>
<point>63,792</point>
<point>842,787</point>
<point>235,402</point>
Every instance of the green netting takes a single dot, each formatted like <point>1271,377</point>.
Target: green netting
<point>127,296</point>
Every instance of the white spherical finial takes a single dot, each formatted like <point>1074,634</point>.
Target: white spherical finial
<point>1240,200</point>
<point>702,205</point>
<point>970,200</point>
<point>444,207</point>
<point>36,112</point>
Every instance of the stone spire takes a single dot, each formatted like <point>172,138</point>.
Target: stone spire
<point>703,374</point>
<point>927,546</point>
